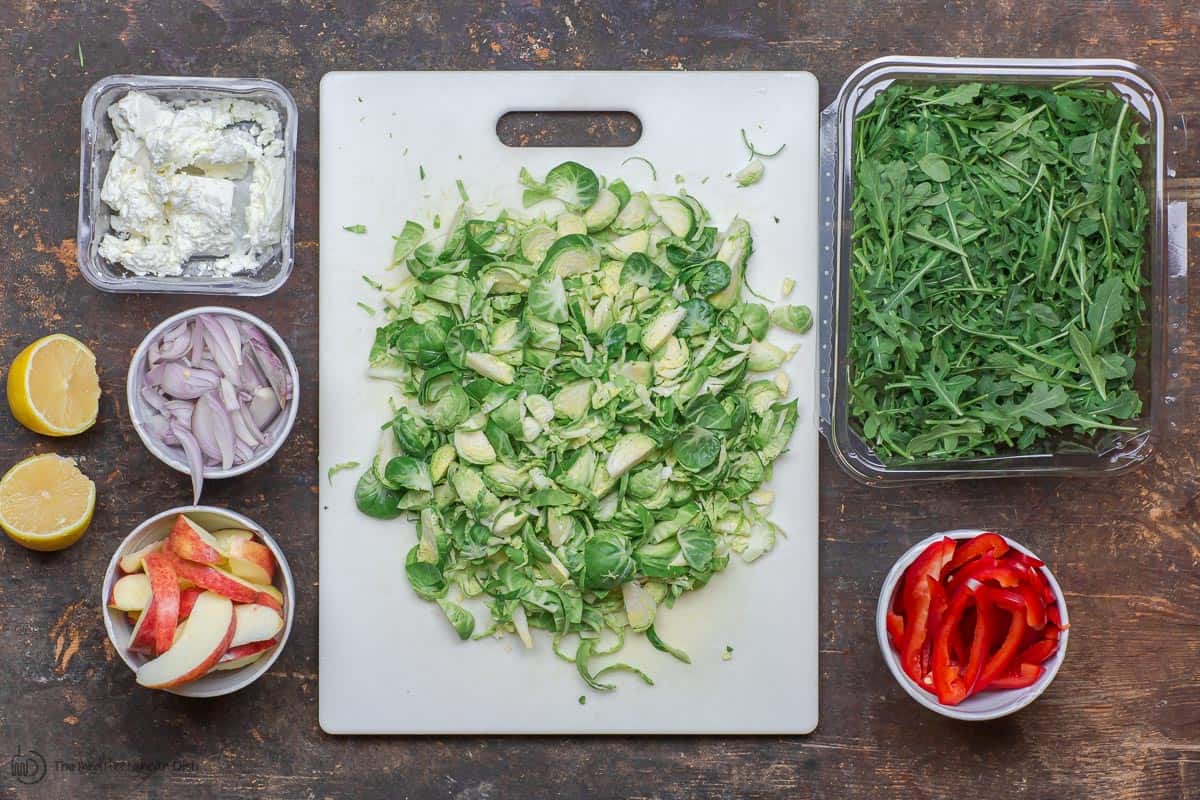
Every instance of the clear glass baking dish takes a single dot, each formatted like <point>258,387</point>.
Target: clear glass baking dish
<point>96,146</point>
<point>1157,378</point>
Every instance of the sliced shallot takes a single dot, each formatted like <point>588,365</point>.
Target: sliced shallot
<point>213,384</point>
<point>204,429</point>
<point>243,425</point>
<point>229,396</point>
<point>273,368</point>
<point>187,383</point>
<point>264,407</point>
<point>219,346</point>
<point>233,335</point>
<point>195,458</point>
<point>222,427</point>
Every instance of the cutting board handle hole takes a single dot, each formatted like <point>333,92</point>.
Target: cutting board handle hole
<point>569,129</point>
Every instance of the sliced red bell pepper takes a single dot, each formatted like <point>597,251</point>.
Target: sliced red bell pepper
<point>981,642</point>
<point>955,681</point>
<point>959,651</point>
<point>985,544</point>
<point>1052,613</point>
<point>1024,675</point>
<point>1035,609</point>
<point>1026,559</point>
<point>938,605</point>
<point>916,600</point>
<point>986,568</point>
<point>1031,637</point>
<point>1035,578</point>
<point>895,628</point>
<point>948,682</point>
<point>1038,652</point>
<point>898,599</point>
<point>1001,661</point>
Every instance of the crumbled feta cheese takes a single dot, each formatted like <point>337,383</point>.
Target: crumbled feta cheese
<point>203,179</point>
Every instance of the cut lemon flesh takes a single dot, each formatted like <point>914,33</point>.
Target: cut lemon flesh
<point>53,388</point>
<point>46,503</point>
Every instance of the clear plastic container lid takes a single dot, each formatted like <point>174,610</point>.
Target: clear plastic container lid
<point>1165,267</point>
<point>96,149</point>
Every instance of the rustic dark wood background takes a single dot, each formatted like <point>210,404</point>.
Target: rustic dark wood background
<point>1121,721</point>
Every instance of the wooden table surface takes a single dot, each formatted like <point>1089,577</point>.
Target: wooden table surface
<point>1121,721</point>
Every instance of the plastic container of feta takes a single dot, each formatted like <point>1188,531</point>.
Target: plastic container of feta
<point>96,149</point>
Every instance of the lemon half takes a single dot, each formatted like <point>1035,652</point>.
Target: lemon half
<point>53,388</point>
<point>46,503</point>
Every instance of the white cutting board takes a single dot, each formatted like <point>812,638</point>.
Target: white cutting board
<point>389,661</point>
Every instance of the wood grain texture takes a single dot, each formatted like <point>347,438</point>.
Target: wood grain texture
<point>1122,721</point>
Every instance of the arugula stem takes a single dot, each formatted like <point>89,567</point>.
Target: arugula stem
<point>1058,260</point>
<point>954,232</point>
<point>1110,184</point>
<point>1047,230</point>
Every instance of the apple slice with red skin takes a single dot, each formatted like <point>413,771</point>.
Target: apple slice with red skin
<point>190,541</point>
<point>179,629</point>
<point>132,562</point>
<point>227,536</point>
<point>255,623</point>
<point>203,641</point>
<point>269,601</point>
<point>248,557</point>
<point>269,596</point>
<point>251,560</point>
<point>243,655</point>
<point>187,599</point>
<point>130,592</point>
<point>142,639</point>
<point>164,587</point>
<point>215,579</point>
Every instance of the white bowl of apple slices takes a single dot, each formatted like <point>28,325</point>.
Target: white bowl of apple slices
<point>198,601</point>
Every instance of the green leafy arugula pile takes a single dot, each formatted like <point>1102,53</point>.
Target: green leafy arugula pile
<point>579,432</point>
<point>998,233</point>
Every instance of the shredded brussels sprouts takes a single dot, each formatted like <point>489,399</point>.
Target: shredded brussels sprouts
<point>580,436</point>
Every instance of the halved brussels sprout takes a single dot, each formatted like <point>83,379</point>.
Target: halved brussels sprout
<point>661,329</point>
<point>491,367</point>
<point>640,606</point>
<point>629,451</point>
<point>797,319</point>
<point>440,463</point>
<point>574,400</point>
<point>764,356</point>
<point>474,447</point>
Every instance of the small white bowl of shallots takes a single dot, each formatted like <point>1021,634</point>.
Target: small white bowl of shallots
<point>212,393</point>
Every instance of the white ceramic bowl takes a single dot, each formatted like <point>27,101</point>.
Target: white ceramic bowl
<point>120,629</point>
<point>174,457</point>
<point>985,705</point>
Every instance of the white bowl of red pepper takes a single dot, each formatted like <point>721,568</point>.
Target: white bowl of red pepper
<point>972,624</point>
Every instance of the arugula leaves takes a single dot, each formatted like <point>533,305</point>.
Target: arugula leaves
<point>998,235</point>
